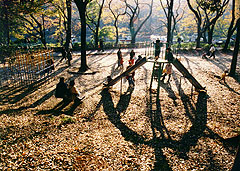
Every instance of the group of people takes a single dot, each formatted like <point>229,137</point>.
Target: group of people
<point>68,92</point>
<point>71,93</point>
<point>131,62</point>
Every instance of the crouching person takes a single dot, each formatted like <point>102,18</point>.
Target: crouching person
<point>74,92</point>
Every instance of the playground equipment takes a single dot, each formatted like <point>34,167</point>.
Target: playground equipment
<point>157,71</point>
<point>26,68</point>
<point>128,71</point>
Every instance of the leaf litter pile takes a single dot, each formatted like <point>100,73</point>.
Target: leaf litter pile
<point>122,128</point>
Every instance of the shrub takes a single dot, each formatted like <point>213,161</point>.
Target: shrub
<point>67,120</point>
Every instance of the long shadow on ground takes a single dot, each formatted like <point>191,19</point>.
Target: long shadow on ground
<point>59,107</point>
<point>197,114</point>
<point>113,114</point>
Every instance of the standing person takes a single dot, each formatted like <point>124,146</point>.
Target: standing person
<point>212,51</point>
<point>69,53</point>
<point>101,45</point>
<point>62,90</point>
<point>131,60</point>
<point>157,48</point>
<point>130,78</point>
<point>179,40</point>
<point>120,58</point>
<point>74,92</point>
<point>168,72</point>
<point>169,55</point>
<point>132,54</point>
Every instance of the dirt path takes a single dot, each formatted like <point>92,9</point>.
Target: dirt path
<point>116,130</point>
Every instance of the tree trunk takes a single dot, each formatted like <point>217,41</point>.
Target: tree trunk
<point>44,32</point>
<point>82,12</point>
<point>84,66</point>
<point>235,52</point>
<point>133,41</point>
<point>6,23</point>
<point>116,27</point>
<point>230,29</point>
<point>210,34</point>
<point>132,31</point>
<point>169,23</point>
<point>204,37</point>
<point>198,36</point>
<point>96,36</point>
<point>68,30</point>
<point>229,35</point>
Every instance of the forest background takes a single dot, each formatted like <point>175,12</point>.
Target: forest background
<point>56,23</point>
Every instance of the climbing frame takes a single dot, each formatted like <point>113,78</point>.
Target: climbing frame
<point>26,68</point>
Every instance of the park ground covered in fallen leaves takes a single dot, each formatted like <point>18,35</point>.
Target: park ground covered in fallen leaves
<point>117,128</point>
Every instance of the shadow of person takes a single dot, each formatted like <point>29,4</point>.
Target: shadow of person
<point>229,88</point>
<point>124,101</point>
<point>168,88</point>
<point>129,135</point>
<point>56,110</point>
<point>73,107</point>
<point>114,115</point>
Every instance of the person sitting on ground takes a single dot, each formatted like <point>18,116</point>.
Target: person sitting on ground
<point>130,78</point>
<point>168,71</point>
<point>74,93</point>
<point>62,90</point>
<point>169,55</point>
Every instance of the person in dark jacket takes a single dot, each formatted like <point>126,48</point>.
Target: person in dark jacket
<point>62,90</point>
<point>169,55</point>
<point>157,49</point>
<point>120,59</point>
